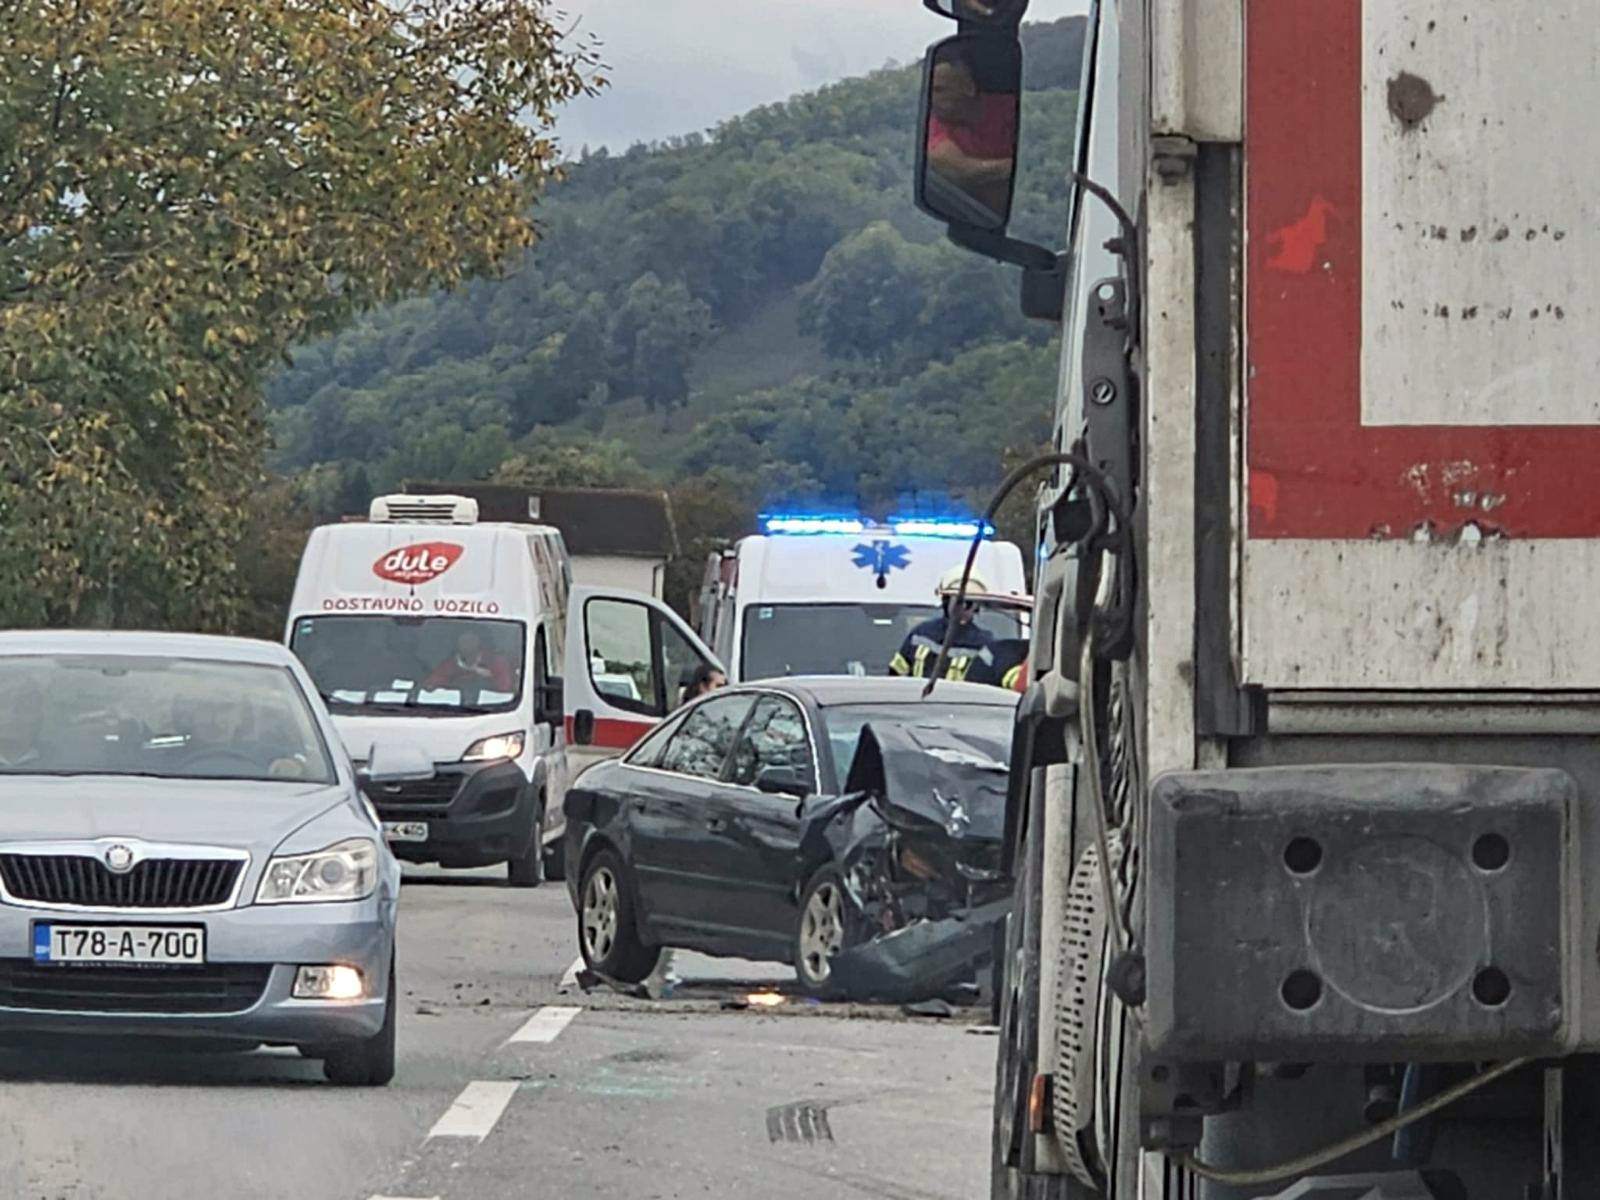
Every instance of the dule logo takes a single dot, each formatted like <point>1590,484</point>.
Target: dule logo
<point>417,563</point>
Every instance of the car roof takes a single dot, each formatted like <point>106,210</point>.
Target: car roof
<point>154,645</point>
<point>828,690</point>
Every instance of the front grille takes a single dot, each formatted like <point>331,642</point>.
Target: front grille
<point>220,988</point>
<point>418,793</point>
<point>78,879</point>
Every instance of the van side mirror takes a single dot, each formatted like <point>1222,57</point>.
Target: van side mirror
<point>394,762</point>
<point>550,702</point>
<point>967,143</point>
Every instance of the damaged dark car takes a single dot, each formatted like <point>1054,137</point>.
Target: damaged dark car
<point>844,825</point>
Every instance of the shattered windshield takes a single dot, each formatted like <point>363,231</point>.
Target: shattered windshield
<point>985,727</point>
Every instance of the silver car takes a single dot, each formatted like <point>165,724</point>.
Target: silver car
<point>184,851</point>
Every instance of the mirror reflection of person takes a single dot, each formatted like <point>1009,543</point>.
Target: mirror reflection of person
<point>972,134</point>
<point>472,665</point>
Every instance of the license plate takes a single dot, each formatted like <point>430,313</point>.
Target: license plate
<point>406,831</point>
<point>159,945</point>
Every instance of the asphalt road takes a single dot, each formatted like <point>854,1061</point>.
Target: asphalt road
<point>513,1082</point>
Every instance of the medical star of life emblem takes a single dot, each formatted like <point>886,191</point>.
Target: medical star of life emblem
<point>881,557</point>
<point>120,859</point>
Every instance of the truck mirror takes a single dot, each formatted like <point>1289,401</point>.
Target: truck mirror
<point>980,12</point>
<point>967,143</point>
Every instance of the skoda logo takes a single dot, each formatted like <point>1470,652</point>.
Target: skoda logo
<point>119,859</point>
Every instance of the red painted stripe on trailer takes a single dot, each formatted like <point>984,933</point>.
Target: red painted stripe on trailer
<point>1314,471</point>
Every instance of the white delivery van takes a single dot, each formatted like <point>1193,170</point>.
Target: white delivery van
<point>828,595</point>
<point>423,626</point>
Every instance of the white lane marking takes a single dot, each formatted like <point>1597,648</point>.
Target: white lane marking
<point>570,979</point>
<point>545,1025</point>
<point>475,1111</point>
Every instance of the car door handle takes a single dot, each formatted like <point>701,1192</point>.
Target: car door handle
<point>716,824</point>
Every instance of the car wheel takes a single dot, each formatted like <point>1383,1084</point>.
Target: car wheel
<point>826,927</point>
<point>527,871</point>
<point>370,1062</point>
<point>608,935</point>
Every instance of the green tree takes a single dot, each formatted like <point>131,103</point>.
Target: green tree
<point>188,188</point>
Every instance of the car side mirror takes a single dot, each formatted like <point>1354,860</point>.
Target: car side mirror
<point>782,781</point>
<point>550,702</point>
<point>391,762</point>
<point>971,118</point>
<point>583,727</point>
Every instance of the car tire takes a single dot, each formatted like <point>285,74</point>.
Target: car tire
<point>826,926</point>
<point>528,871</point>
<point>369,1062</point>
<point>608,931</point>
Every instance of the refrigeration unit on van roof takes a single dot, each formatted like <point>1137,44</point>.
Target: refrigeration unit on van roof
<point>423,510</point>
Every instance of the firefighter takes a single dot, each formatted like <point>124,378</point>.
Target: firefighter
<point>971,647</point>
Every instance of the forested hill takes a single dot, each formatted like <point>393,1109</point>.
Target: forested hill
<point>762,305</point>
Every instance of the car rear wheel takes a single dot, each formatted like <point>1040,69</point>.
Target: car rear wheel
<point>528,869</point>
<point>608,933</point>
<point>370,1062</point>
<point>826,927</point>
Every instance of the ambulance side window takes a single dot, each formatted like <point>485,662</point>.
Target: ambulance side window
<point>622,659</point>
<point>680,661</point>
<point>541,659</point>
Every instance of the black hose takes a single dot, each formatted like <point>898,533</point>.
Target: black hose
<point>1103,502</point>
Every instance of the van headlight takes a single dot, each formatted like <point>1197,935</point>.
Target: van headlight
<point>492,749</point>
<point>347,871</point>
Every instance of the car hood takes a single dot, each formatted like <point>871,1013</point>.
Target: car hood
<point>239,814</point>
<point>443,739</point>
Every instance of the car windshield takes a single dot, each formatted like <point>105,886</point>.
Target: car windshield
<point>174,718</point>
<point>840,639</point>
<point>986,726</point>
<point>427,666</point>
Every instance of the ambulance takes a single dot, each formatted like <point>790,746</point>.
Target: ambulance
<point>424,625</point>
<point>837,595</point>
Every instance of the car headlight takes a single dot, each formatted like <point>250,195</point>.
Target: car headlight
<point>347,871</point>
<point>501,745</point>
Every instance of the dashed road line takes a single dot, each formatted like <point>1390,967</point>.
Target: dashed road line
<point>475,1110</point>
<point>570,979</point>
<point>404,1198</point>
<point>545,1025</point>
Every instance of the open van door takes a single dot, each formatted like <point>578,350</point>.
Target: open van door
<point>628,659</point>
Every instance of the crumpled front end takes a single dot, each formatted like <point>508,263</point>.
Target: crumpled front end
<point>917,839</point>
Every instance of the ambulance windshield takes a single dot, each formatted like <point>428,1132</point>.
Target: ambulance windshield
<point>430,666</point>
<point>839,639</point>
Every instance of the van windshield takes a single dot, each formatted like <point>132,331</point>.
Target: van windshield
<point>427,666</point>
<point>839,639</point>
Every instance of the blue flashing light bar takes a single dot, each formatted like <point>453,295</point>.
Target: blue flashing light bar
<point>941,527</point>
<point>803,523</point>
<point>811,524</point>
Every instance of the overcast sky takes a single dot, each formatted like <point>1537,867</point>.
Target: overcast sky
<point>678,66</point>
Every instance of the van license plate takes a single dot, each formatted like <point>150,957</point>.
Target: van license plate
<point>406,831</point>
<point>139,945</point>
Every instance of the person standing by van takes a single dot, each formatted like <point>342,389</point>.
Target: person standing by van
<point>970,648</point>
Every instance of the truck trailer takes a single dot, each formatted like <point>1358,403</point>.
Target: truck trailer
<point>1302,820</point>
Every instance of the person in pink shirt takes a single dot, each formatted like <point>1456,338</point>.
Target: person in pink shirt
<point>972,134</point>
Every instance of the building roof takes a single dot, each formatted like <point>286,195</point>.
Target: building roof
<point>593,521</point>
